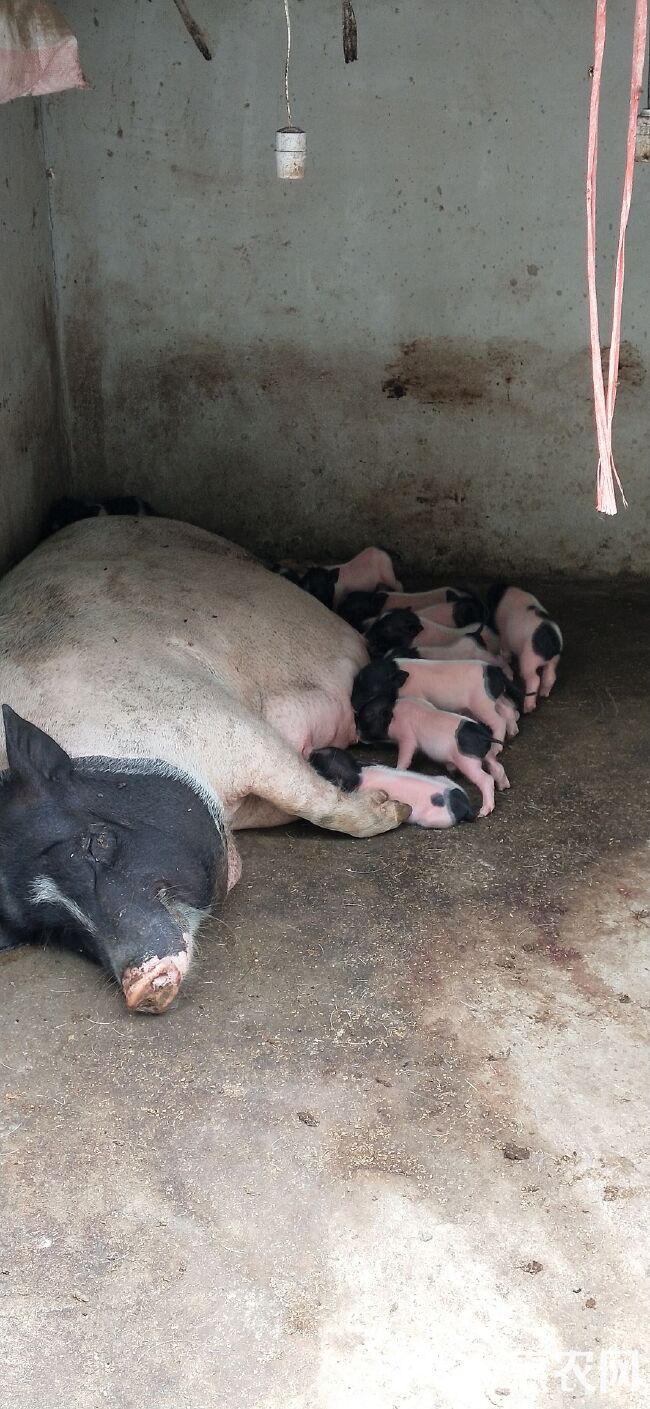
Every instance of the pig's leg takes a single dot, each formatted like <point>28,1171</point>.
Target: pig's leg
<point>276,774</point>
<point>529,667</point>
<point>508,712</point>
<point>484,709</point>
<point>549,676</point>
<point>472,768</point>
<point>497,771</point>
<point>406,750</point>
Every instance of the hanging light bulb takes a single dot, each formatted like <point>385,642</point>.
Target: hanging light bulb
<point>290,141</point>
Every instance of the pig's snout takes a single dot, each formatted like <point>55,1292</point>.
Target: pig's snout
<point>152,987</point>
<point>460,806</point>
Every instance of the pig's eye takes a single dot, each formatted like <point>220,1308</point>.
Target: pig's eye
<point>101,845</point>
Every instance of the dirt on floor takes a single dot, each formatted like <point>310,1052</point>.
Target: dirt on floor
<point>390,1149</point>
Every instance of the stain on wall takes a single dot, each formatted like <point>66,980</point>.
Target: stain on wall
<point>395,348</point>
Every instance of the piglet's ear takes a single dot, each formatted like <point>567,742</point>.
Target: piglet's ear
<point>32,755</point>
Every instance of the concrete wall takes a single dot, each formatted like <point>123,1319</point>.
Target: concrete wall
<point>31,440</point>
<point>395,349</point>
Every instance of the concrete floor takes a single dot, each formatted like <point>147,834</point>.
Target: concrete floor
<point>293,1192</point>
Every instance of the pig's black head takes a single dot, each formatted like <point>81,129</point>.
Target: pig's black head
<point>338,766</point>
<point>394,629</point>
<point>116,857</point>
<point>380,678</point>
<point>468,609</point>
<point>321,583</point>
<point>359,608</point>
<point>374,719</point>
<point>492,598</point>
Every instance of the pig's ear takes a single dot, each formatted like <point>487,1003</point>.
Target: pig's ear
<point>32,755</point>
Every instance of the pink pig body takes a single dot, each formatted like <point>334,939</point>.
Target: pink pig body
<point>418,725</point>
<point>443,613</point>
<point>527,632</point>
<point>421,601</point>
<point>434,802</point>
<point>369,570</point>
<point>455,685</point>
<point>466,648</point>
<point>435,633</point>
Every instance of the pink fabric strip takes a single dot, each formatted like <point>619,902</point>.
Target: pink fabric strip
<point>607,477</point>
<point>600,408</point>
<point>638,62</point>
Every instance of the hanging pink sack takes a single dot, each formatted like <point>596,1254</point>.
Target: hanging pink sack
<point>38,52</point>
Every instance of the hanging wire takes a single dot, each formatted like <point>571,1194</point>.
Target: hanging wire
<point>286,67</point>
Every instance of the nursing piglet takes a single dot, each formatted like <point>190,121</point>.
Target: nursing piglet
<point>467,685</point>
<point>464,612</point>
<point>403,627</point>
<point>527,632</point>
<point>369,570</point>
<point>434,801</point>
<point>436,596</point>
<point>465,648</point>
<point>445,737</point>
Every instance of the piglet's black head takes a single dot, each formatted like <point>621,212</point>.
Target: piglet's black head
<point>338,766</point>
<point>374,719</point>
<point>320,583</point>
<point>392,630</point>
<point>381,678</point>
<point>467,610</point>
<point>361,607</point>
<point>492,598</point>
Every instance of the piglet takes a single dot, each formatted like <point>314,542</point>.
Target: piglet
<point>527,632</point>
<point>463,612</point>
<point>445,737</point>
<point>464,686</point>
<point>434,801</point>
<point>368,571</point>
<point>465,648</point>
<point>421,601</point>
<point>483,690</point>
<point>319,582</point>
<point>402,627</point>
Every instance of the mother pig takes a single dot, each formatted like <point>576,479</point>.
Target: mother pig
<point>162,688</point>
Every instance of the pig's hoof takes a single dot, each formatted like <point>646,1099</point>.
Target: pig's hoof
<point>153,986</point>
<point>487,808</point>
<point>369,814</point>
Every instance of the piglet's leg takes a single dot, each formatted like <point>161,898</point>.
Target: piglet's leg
<point>488,714</point>
<point>473,770</point>
<point>549,676</point>
<point>529,666</point>
<point>508,712</point>
<point>406,751</point>
<point>497,771</point>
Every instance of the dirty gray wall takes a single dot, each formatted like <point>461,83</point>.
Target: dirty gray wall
<point>395,349</point>
<point>31,446</point>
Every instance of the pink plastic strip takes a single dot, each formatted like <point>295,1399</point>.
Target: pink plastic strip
<point>607,478</point>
